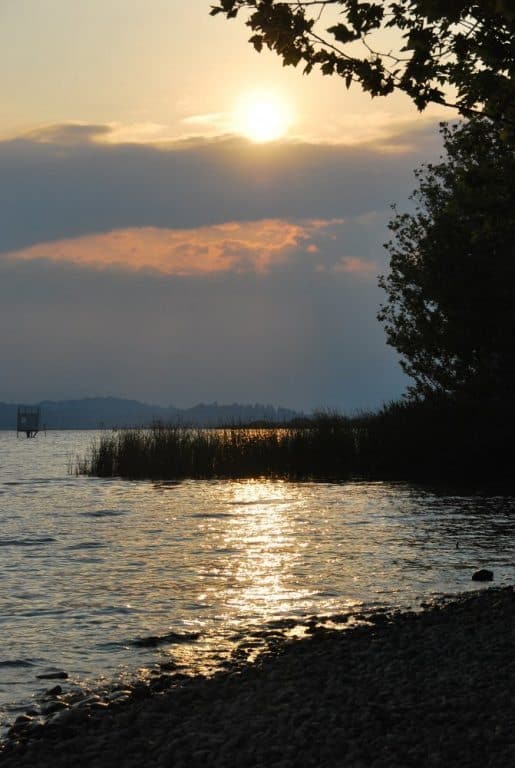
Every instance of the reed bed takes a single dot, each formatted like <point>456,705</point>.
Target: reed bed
<point>422,441</point>
<point>170,452</point>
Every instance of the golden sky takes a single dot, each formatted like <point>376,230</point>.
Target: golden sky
<point>161,70</point>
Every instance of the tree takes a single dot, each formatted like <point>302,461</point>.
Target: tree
<point>464,46</point>
<point>450,311</point>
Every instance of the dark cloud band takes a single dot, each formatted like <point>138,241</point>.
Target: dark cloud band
<point>62,182</point>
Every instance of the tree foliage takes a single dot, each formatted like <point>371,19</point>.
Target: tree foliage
<point>465,47</point>
<point>450,311</point>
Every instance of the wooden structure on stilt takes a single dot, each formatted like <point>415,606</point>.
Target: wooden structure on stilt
<point>28,420</point>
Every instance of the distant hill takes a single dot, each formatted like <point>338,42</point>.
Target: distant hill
<point>98,412</point>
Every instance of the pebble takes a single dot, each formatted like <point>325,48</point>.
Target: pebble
<point>118,695</point>
<point>53,676</point>
<point>21,719</point>
<point>86,701</point>
<point>56,691</point>
<point>55,706</point>
<point>484,574</point>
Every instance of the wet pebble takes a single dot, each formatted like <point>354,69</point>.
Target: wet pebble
<point>22,719</point>
<point>55,706</point>
<point>86,701</point>
<point>484,574</point>
<point>53,676</point>
<point>118,695</point>
<point>55,691</point>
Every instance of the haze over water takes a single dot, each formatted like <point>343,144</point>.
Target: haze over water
<point>90,567</point>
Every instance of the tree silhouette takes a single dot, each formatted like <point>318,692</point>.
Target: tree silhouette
<point>463,47</point>
<point>450,311</point>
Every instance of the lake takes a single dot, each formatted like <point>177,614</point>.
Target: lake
<point>109,579</point>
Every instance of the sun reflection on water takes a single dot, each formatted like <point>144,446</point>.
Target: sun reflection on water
<point>268,553</point>
<point>267,539</point>
<point>252,554</point>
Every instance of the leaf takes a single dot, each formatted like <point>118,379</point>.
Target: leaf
<point>257,42</point>
<point>343,34</point>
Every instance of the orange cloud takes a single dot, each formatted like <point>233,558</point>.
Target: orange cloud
<point>230,247</point>
<point>355,265</point>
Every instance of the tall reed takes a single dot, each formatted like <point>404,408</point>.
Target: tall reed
<point>170,452</point>
<point>427,441</point>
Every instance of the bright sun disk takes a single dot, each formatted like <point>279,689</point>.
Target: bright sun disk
<point>262,118</point>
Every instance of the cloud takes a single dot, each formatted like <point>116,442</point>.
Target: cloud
<point>70,181</point>
<point>355,265</point>
<point>136,133</point>
<point>68,134</point>
<point>386,131</point>
<point>81,134</point>
<point>217,122</point>
<point>239,247</point>
<point>234,246</point>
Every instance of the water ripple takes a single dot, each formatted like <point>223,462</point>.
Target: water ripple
<point>114,564</point>
<point>26,542</point>
<point>104,513</point>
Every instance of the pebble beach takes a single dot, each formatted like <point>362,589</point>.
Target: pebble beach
<point>430,688</point>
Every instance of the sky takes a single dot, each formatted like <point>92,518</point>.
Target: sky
<point>183,220</point>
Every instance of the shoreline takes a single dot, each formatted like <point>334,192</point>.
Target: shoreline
<point>431,688</point>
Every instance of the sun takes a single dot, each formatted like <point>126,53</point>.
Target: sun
<point>262,117</point>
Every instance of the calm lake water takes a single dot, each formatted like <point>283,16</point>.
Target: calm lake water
<point>90,567</point>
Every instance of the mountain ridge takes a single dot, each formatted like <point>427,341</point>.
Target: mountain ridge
<point>112,412</point>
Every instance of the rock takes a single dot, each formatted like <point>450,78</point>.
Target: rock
<point>22,719</point>
<point>118,695</point>
<point>53,676</point>
<point>55,691</point>
<point>86,701</point>
<point>54,706</point>
<point>172,637</point>
<point>21,724</point>
<point>483,575</point>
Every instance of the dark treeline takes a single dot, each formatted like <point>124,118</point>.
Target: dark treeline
<point>114,412</point>
<point>446,440</point>
<point>421,441</point>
